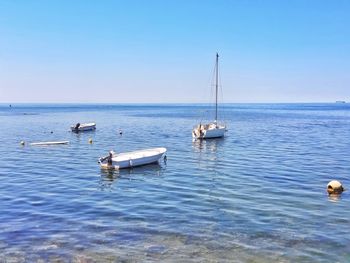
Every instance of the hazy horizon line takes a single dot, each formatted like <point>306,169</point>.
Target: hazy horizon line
<point>154,103</point>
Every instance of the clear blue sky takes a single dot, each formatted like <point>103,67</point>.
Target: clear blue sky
<point>164,51</point>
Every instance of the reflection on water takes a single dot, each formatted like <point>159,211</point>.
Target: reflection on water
<point>109,177</point>
<point>82,133</point>
<point>208,144</point>
<point>334,197</point>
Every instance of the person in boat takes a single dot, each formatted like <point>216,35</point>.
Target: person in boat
<point>76,128</point>
<point>200,130</point>
<point>109,159</point>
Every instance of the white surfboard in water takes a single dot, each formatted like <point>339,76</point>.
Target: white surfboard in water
<point>49,143</point>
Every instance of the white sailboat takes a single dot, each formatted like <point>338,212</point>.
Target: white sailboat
<point>213,129</point>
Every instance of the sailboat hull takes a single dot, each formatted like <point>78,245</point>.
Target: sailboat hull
<point>214,133</point>
<point>209,131</point>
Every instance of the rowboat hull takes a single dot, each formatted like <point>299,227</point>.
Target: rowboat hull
<point>133,159</point>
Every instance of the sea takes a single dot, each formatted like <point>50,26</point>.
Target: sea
<point>256,195</point>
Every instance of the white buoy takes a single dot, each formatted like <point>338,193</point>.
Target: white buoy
<point>22,143</point>
<point>90,141</point>
<point>334,187</point>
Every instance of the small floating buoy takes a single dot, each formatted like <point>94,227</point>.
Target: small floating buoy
<point>90,140</point>
<point>120,132</point>
<point>334,187</point>
<point>22,143</point>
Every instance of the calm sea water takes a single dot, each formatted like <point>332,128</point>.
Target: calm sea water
<point>258,195</point>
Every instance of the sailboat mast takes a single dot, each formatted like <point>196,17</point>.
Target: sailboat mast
<point>216,86</point>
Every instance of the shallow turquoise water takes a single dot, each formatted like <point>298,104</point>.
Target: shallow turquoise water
<point>258,195</point>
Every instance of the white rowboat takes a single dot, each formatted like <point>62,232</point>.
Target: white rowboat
<point>132,159</point>
<point>83,127</point>
<point>48,143</point>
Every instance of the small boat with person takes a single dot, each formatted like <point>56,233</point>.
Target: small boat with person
<point>132,159</point>
<point>83,127</point>
<point>213,129</point>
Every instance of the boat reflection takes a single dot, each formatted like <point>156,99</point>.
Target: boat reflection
<point>207,151</point>
<point>83,136</point>
<point>109,177</point>
<point>334,197</point>
<point>209,145</point>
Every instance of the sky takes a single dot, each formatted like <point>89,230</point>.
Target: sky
<point>87,51</point>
